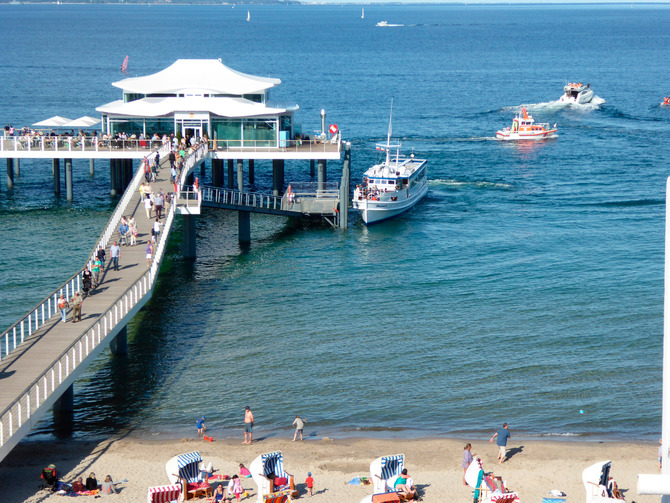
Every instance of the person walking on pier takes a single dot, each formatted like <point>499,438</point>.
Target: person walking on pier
<point>62,305</point>
<point>102,255</point>
<point>76,302</point>
<point>97,267</point>
<point>158,205</point>
<point>150,253</point>
<point>147,205</point>
<point>115,253</point>
<point>86,277</point>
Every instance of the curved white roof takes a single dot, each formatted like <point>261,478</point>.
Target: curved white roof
<point>197,76</point>
<point>160,107</point>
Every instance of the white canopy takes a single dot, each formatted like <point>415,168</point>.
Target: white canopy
<point>161,107</point>
<point>84,121</point>
<point>197,76</point>
<point>55,121</point>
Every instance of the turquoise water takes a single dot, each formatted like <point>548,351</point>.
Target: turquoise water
<point>527,286</point>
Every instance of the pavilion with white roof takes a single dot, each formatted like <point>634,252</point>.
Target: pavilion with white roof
<point>198,97</point>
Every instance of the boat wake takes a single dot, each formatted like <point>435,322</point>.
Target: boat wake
<point>557,105</point>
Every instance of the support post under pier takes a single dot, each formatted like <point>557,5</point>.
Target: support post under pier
<point>55,163</point>
<point>68,179</point>
<point>311,168</point>
<point>322,174</point>
<point>10,173</point>
<point>63,414</point>
<point>244,226</point>
<point>231,176</point>
<point>112,177</point>
<point>65,403</point>
<point>119,345</point>
<point>91,167</point>
<point>344,187</point>
<point>277,176</point>
<point>240,175</point>
<point>17,167</point>
<point>188,225</point>
<point>251,172</point>
<point>217,172</point>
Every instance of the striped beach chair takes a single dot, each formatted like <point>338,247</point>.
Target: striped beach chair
<point>263,468</point>
<point>384,471</point>
<point>163,494</point>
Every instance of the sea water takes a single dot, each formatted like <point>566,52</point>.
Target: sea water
<point>525,287</point>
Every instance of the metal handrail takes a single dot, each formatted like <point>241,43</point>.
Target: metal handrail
<point>87,342</point>
<point>311,145</point>
<point>25,325</point>
<point>39,143</point>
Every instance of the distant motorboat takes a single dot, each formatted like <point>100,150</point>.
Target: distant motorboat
<point>385,24</point>
<point>576,92</point>
<point>248,16</point>
<point>363,14</point>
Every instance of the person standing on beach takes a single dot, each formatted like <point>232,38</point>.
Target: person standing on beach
<point>467,459</point>
<point>309,483</point>
<point>248,425</point>
<point>660,454</point>
<point>503,434</point>
<point>299,424</point>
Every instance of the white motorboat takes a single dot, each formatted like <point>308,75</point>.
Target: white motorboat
<point>525,128</point>
<point>386,24</point>
<point>391,187</point>
<point>576,92</point>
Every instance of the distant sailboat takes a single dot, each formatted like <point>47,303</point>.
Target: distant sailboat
<point>363,14</point>
<point>248,16</point>
<point>124,65</point>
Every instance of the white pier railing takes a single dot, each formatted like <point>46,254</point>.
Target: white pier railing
<point>40,314</point>
<point>31,403</point>
<point>237,198</point>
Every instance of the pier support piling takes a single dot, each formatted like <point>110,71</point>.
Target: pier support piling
<point>55,163</point>
<point>244,227</point>
<point>202,171</point>
<point>311,168</point>
<point>231,175</point>
<point>68,179</point>
<point>251,172</point>
<point>112,177</point>
<point>322,174</point>
<point>188,225</point>
<point>10,173</point>
<point>119,345</point>
<point>91,163</point>
<point>65,403</point>
<point>17,167</point>
<point>240,175</point>
<point>277,176</point>
<point>217,172</point>
<point>344,187</point>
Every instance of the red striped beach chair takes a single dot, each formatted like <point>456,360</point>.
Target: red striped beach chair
<point>163,494</point>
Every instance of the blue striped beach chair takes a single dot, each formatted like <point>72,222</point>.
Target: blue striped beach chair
<point>384,470</point>
<point>266,467</point>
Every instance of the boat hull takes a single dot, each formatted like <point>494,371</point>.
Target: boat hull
<point>581,99</point>
<point>539,135</point>
<point>373,212</point>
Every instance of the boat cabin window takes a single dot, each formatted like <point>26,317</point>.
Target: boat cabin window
<point>390,182</point>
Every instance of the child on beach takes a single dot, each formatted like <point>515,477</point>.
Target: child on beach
<point>235,487</point>
<point>244,472</point>
<point>309,482</point>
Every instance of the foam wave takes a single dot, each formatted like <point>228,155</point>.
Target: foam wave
<point>557,105</point>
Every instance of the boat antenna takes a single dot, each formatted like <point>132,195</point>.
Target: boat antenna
<point>388,139</point>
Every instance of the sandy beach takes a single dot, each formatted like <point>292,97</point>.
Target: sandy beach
<point>534,468</point>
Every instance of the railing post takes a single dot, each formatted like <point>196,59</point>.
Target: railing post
<point>21,335</point>
<point>43,312</point>
<point>28,405</point>
<point>67,364</point>
<point>30,327</point>
<point>11,424</point>
<point>18,411</point>
<point>37,395</point>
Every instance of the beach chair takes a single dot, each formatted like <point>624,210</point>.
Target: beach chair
<point>595,483</point>
<point>383,473</point>
<point>164,494</point>
<point>267,471</point>
<point>488,488</point>
<point>184,469</point>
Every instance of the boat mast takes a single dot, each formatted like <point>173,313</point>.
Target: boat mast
<point>388,139</point>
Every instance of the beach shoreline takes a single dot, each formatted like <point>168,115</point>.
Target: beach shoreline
<point>534,467</point>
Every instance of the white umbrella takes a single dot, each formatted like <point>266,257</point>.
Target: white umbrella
<point>84,121</point>
<point>55,121</point>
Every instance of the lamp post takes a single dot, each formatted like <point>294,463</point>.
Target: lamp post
<point>323,121</point>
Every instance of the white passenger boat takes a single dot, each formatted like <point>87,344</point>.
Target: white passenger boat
<point>391,187</point>
<point>576,92</point>
<point>525,128</point>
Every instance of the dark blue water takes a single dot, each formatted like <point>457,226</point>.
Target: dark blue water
<point>527,286</point>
